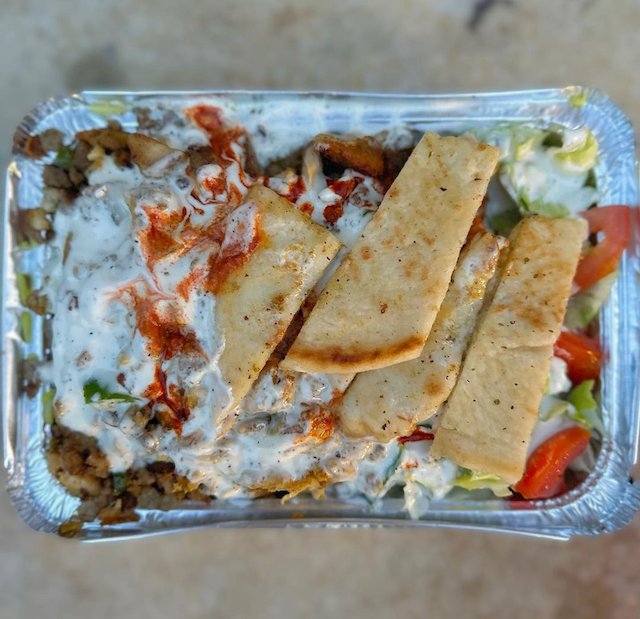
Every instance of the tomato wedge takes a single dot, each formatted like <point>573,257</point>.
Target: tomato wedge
<point>582,355</point>
<point>614,222</point>
<point>544,474</point>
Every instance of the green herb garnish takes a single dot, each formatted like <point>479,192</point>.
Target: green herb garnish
<point>93,389</point>
<point>64,158</point>
<point>119,482</point>
<point>394,465</point>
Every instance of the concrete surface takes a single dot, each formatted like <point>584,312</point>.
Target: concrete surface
<point>53,47</point>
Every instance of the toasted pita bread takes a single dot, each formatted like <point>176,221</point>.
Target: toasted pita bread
<point>257,299</point>
<point>487,423</point>
<point>380,304</point>
<point>389,402</point>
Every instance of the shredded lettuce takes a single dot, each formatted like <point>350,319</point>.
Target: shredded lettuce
<point>471,480</point>
<point>25,326</point>
<point>108,108</point>
<point>580,405</point>
<point>579,99</point>
<point>541,207</point>
<point>23,284</point>
<point>28,244</point>
<point>579,154</point>
<point>503,223</point>
<point>47,406</point>
<point>546,172</point>
<point>584,307</point>
<point>585,408</point>
<point>515,140</point>
<point>101,398</point>
<point>551,407</point>
<point>581,395</point>
<point>524,149</point>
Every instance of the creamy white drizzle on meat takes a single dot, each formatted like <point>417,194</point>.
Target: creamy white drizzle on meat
<point>123,255</point>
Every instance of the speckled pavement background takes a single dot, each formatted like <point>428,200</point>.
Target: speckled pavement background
<point>57,46</point>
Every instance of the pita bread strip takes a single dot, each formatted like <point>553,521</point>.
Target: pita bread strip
<point>389,402</point>
<point>488,420</point>
<point>380,304</point>
<point>258,299</point>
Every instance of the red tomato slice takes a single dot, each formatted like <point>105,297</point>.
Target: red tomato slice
<point>544,474</point>
<point>582,355</point>
<point>614,222</point>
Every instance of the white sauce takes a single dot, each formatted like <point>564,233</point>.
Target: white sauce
<point>98,338</point>
<point>559,381</point>
<point>387,465</point>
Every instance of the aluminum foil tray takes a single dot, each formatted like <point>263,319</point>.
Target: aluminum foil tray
<point>605,501</point>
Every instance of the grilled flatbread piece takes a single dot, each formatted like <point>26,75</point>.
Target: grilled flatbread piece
<point>258,295</point>
<point>389,402</point>
<point>488,420</point>
<point>380,304</point>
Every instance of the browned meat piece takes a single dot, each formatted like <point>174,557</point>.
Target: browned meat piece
<point>142,416</point>
<point>79,464</point>
<point>128,500</point>
<point>145,122</point>
<point>121,510</point>
<point>53,196</point>
<point>94,462</point>
<point>165,419</point>
<point>37,302</point>
<point>31,225</point>
<point>292,161</point>
<point>251,163</point>
<point>37,146</point>
<point>394,161</point>
<point>53,176</point>
<point>122,158</point>
<point>97,464</point>
<point>33,147</point>
<point>109,139</point>
<point>28,376</point>
<point>80,159</point>
<point>161,467</point>
<point>76,177</point>
<point>200,156</point>
<point>51,139</point>
<point>363,154</point>
<point>72,462</point>
<point>148,124</point>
